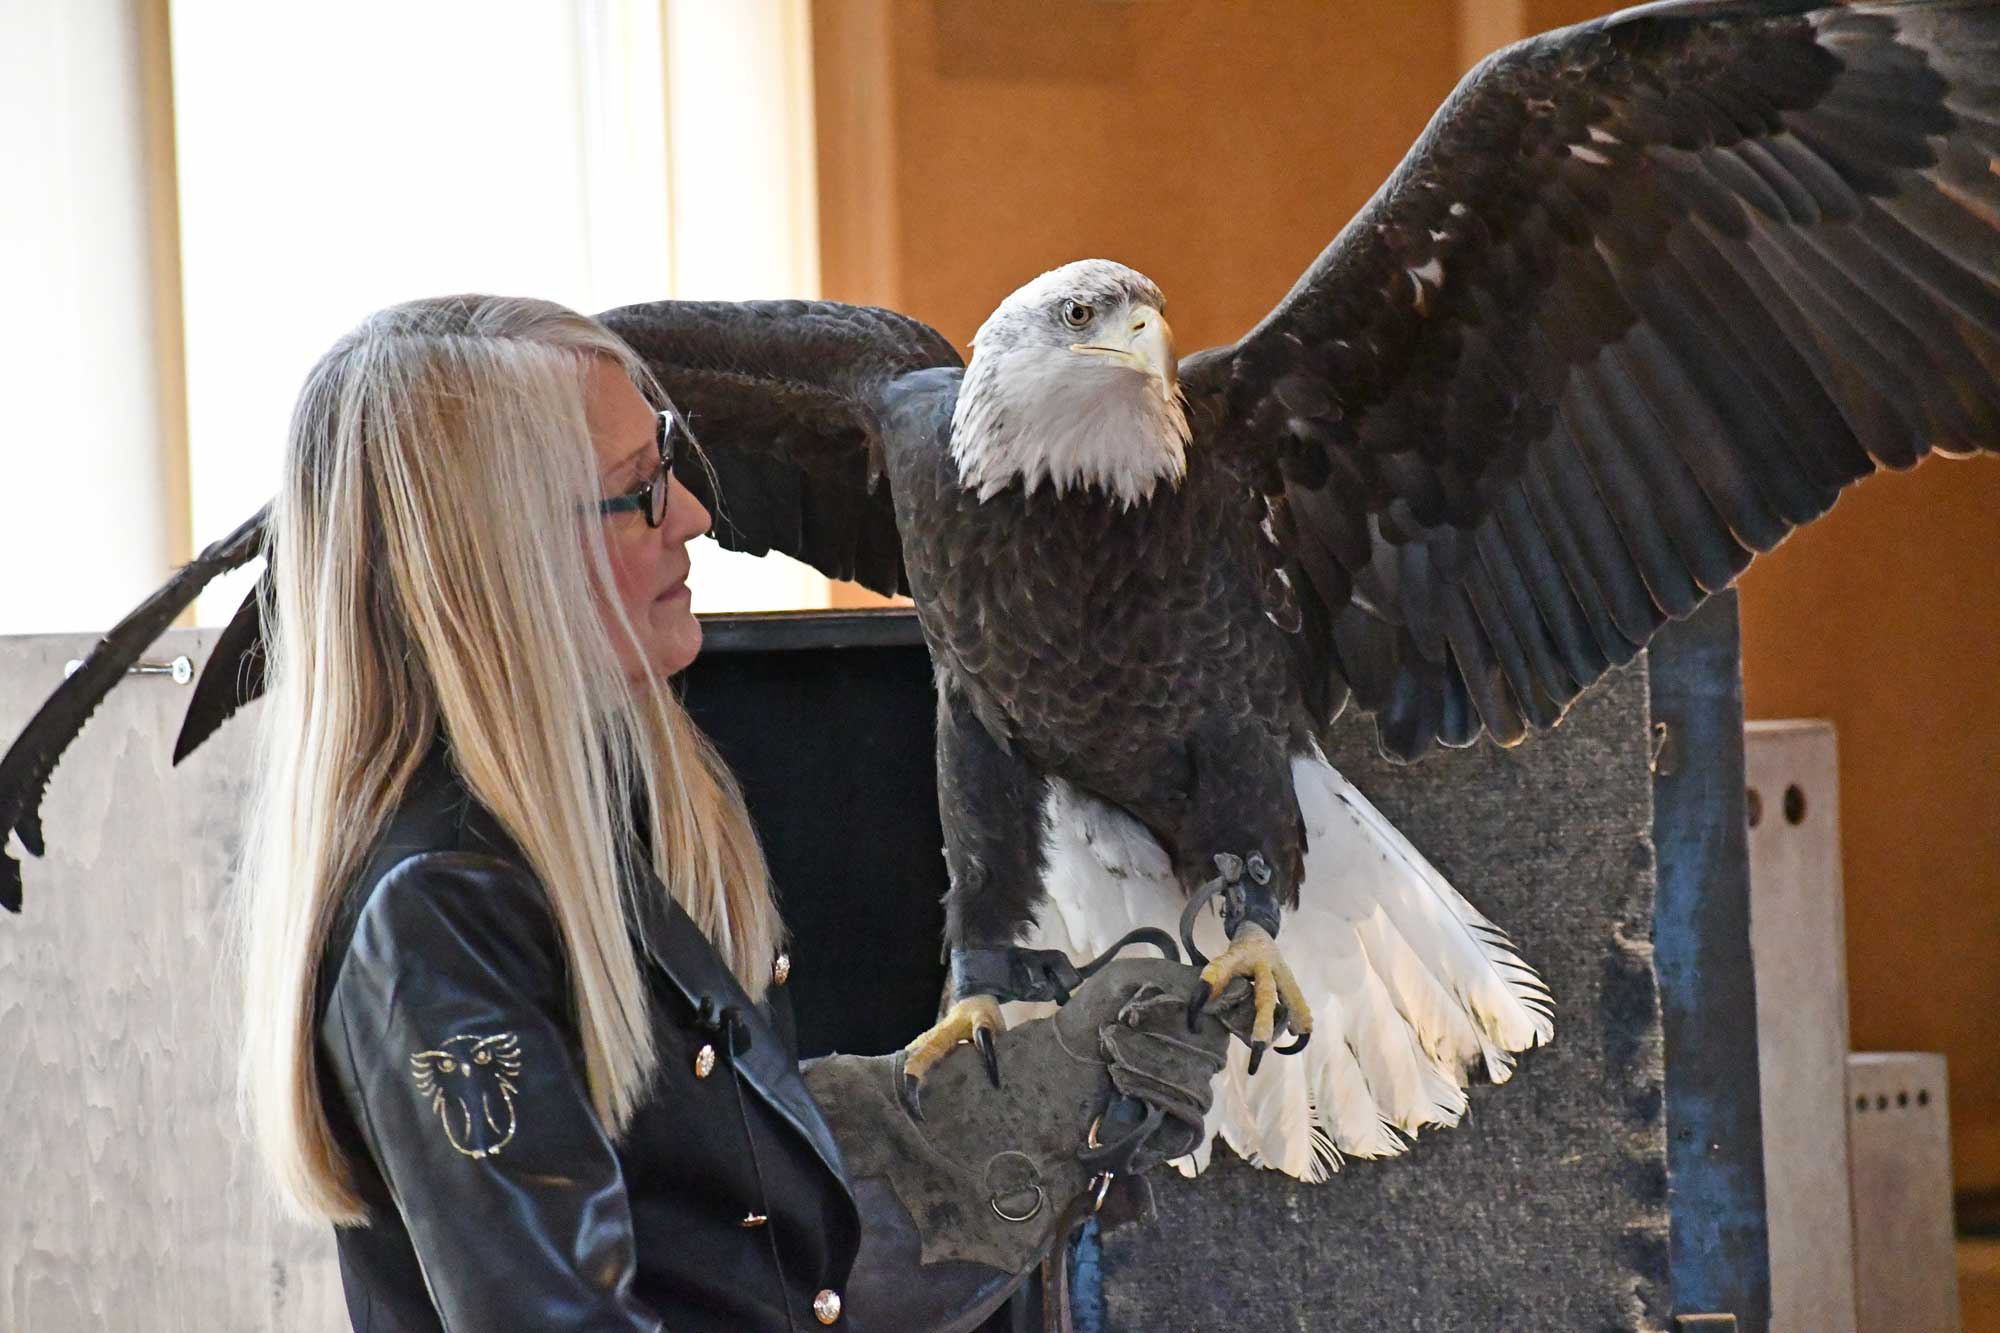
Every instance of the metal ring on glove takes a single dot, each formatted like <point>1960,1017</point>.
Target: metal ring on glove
<point>1041,1196</point>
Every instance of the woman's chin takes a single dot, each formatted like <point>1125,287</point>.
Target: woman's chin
<point>680,644</point>
<point>669,638</point>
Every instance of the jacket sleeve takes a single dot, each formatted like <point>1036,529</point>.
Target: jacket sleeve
<point>450,1037</point>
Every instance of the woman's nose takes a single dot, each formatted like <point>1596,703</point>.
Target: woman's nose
<point>686,517</point>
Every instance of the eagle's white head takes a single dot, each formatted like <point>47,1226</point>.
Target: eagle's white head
<point>1072,381</point>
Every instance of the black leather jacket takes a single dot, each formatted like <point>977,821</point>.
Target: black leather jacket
<point>451,1073</point>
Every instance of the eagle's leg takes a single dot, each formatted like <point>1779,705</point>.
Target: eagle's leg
<point>1250,916</point>
<point>990,806</point>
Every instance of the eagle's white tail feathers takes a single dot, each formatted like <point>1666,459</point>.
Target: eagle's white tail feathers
<point>1348,1106</point>
<point>1272,1129</point>
<point>1504,995</point>
<point>1443,1027</point>
<point>1410,1085</point>
<point>1412,989</point>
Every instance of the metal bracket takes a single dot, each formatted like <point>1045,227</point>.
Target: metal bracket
<point>1662,755</point>
<point>181,669</point>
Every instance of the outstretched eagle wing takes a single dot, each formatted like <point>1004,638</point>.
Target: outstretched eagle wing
<point>1644,297</point>
<point>783,397</point>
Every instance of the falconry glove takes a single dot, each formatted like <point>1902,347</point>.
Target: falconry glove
<point>987,1181</point>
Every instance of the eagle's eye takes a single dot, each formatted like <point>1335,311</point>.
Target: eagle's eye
<point>483,1057</point>
<point>1076,314</point>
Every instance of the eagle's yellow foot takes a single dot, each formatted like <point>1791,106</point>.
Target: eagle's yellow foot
<point>975,1018</point>
<point>1254,954</point>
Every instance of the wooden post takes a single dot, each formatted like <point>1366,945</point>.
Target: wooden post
<point>163,234</point>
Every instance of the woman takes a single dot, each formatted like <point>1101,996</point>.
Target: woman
<point>515,1011</point>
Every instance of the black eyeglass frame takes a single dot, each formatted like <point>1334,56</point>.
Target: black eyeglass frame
<point>651,498</point>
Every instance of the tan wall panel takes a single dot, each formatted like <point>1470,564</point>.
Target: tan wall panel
<point>1215,148</point>
<point>1542,15</point>
<point>1885,617</point>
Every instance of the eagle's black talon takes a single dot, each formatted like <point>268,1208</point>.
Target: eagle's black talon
<point>1257,1049</point>
<point>1193,910</point>
<point>909,1091</point>
<point>1294,1046</point>
<point>983,1039</point>
<point>1196,1002</point>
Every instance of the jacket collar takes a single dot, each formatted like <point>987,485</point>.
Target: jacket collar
<point>677,946</point>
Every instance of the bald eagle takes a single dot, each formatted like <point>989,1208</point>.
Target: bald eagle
<point>1644,297</point>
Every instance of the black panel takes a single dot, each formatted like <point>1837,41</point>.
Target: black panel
<point>829,722</point>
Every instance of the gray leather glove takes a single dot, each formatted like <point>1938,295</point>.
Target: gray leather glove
<point>985,1185</point>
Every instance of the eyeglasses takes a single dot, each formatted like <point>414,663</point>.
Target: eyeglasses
<point>650,499</point>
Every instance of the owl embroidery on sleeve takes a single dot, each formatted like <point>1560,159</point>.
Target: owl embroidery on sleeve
<point>471,1083</point>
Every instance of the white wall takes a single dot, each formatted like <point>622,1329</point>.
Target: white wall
<point>333,159</point>
<point>82,533</point>
<point>745,209</point>
<point>466,146</point>
<point>417,151</point>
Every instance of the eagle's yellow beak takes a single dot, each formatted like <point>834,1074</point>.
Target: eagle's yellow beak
<point>1146,344</point>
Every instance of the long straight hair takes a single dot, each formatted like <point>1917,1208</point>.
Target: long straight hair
<point>435,564</point>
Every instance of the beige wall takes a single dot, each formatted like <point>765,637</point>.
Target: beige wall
<point>95,417</point>
<point>1885,617</point>
<point>965,148</point>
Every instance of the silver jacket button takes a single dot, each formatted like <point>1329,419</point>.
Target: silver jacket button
<point>704,1062</point>
<point>826,1306</point>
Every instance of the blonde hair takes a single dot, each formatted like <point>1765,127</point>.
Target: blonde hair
<point>425,575</point>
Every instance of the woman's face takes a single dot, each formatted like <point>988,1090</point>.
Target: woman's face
<point>649,566</point>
